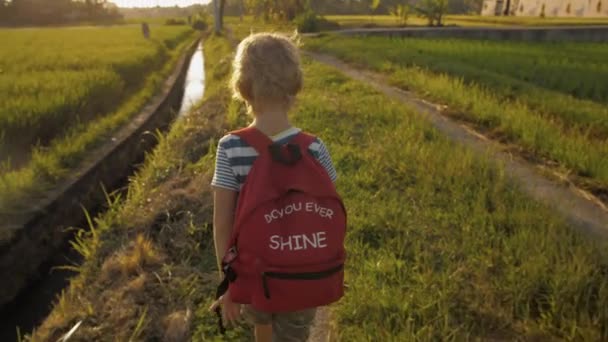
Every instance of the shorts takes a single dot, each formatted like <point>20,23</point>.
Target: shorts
<point>286,326</point>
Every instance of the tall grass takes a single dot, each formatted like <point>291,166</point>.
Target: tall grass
<point>549,124</point>
<point>150,256</point>
<point>54,79</point>
<point>441,245</point>
<point>553,66</point>
<point>48,164</point>
<point>551,78</point>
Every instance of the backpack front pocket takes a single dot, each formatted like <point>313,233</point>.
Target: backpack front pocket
<point>279,291</point>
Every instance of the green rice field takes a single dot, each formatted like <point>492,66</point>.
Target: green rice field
<point>55,79</point>
<point>545,98</point>
<point>63,90</point>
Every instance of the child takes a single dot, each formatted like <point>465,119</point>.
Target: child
<point>267,77</point>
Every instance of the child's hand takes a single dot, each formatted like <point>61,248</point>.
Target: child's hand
<point>231,311</point>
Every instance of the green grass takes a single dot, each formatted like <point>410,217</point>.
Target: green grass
<point>150,257</point>
<point>512,102</point>
<point>351,21</point>
<point>514,68</point>
<point>153,20</point>
<point>441,245</point>
<point>465,20</point>
<point>134,66</point>
<point>53,79</point>
<point>362,21</point>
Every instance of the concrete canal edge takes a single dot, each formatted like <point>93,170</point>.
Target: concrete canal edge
<point>41,232</point>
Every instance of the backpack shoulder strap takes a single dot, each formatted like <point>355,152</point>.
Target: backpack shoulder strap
<point>304,140</point>
<point>260,141</point>
<point>254,137</point>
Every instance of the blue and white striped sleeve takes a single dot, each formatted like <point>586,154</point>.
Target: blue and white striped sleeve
<point>319,150</point>
<point>224,177</point>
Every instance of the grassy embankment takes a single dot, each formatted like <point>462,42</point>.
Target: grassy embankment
<point>543,98</point>
<point>149,265</point>
<point>441,245</point>
<point>64,91</point>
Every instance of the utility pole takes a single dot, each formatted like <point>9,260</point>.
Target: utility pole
<point>218,20</point>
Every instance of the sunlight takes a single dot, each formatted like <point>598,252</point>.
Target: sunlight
<point>162,3</point>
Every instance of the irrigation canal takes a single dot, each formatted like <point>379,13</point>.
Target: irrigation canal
<point>34,303</point>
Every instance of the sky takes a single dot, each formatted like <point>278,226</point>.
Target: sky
<point>154,3</point>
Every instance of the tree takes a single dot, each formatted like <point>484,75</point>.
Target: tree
<point>291,8</point>
<point>275,9</point>
<point>465,6</point>
<point>402,12</point>
<point>222,8</point>
<point>374,7</point>
<point>507,11</point>
<point>3,11</point>
<point>542,11</point>
<point>474,6</point>
<point>433,10</point>
<point>51,12</point>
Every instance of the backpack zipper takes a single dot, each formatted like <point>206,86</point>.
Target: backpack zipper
<point>297,276</point>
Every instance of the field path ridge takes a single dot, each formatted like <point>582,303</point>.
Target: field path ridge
<point>321,331</point>
<point>580,208</point>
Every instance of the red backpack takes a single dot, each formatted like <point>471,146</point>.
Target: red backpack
<point>286,252</point>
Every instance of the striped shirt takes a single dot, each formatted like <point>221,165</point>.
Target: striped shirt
<point>235,157</point>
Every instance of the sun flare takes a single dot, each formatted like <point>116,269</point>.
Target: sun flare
<point>154,3</point>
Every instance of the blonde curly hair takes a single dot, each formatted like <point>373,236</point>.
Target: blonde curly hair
<point>266,69</point>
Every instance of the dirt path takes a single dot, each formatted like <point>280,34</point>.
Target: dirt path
<point>321,330</point>
<point>579,207</point>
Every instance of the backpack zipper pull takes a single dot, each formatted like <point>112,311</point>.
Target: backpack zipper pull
<point>265,285</point>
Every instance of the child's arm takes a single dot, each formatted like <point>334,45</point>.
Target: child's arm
<point>224,203</point>
<point>226,187</point>
<point>223,218</point>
